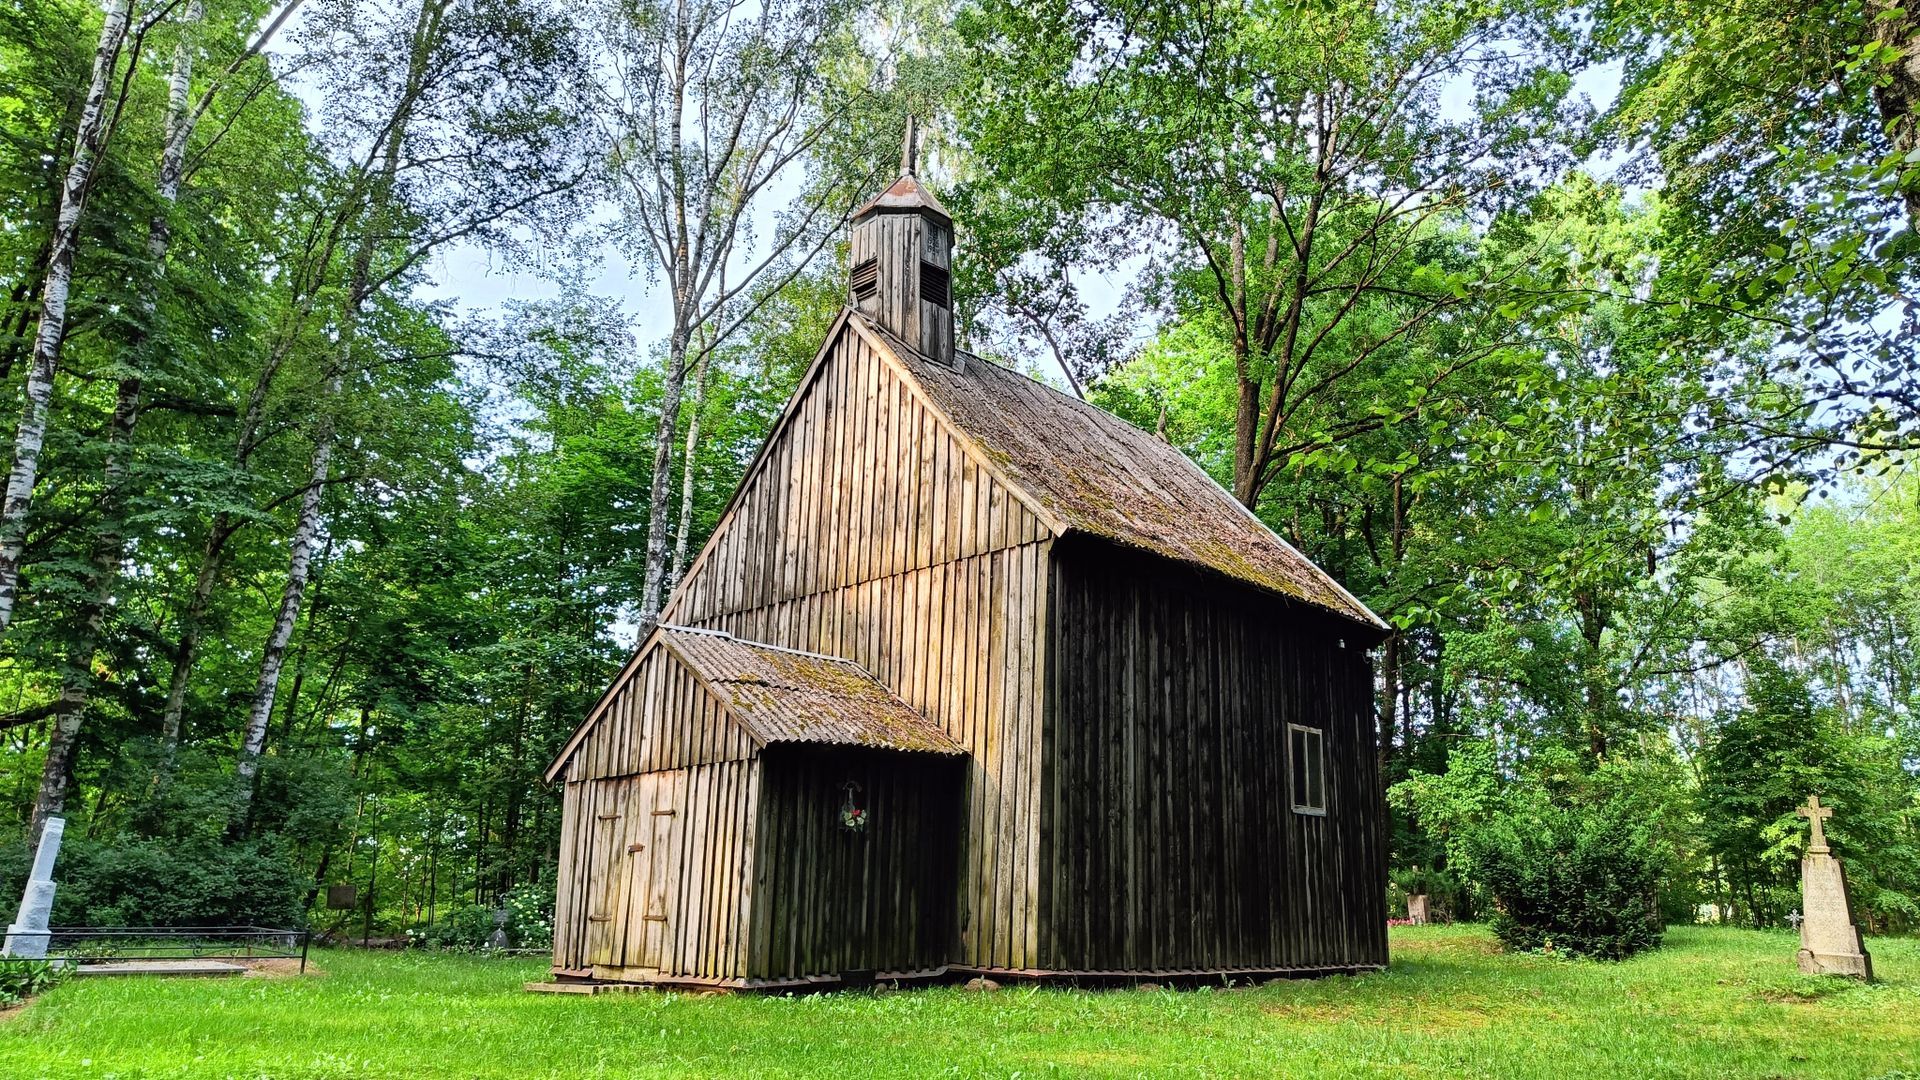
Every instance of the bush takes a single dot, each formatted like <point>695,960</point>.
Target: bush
<point>1568,858</point>
<point>529,922</point>
<point>469,926</point>
<point>128,882</point>
<point>1573,879</point>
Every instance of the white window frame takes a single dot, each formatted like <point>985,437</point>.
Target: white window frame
<point>1315,743</point>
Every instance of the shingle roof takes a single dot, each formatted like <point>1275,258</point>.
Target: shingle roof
<point>907,194</point>
<point>783,696</point>
<point>1099,475</point>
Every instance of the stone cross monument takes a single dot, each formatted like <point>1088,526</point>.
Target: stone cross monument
<point>28,935</point>
<point>1829,939</point>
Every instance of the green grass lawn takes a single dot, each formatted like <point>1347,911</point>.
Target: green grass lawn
<point>1712,1003</point>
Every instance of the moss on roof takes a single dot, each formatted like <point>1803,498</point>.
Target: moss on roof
<point>1097,474</point>
<point>783,696</point>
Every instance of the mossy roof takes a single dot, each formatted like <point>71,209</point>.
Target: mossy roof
<point>784,696</point>
<point>1095,473</point>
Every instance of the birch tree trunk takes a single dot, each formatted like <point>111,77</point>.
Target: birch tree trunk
<point>109,542</point>
<point>373,223</point>
<point>299,566</point>
<point>706,109</point>
<point>89,142</point>
<point>659,482</point>
<point>688,473</point>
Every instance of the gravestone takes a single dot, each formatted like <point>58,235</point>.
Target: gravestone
<point>1829,938</point>
<point>1417,912</point>
<point>27,936</point>
<point>499,938</point>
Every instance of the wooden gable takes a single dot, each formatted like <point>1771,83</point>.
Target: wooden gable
<point>861,479</point>
<point>658,716</point>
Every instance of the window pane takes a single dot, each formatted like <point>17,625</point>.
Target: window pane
<point>1317,795</point>
<point>1299,755</point>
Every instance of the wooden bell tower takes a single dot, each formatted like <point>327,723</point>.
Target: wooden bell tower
<point>902,261</point>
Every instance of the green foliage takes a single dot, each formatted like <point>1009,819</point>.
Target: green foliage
<point>1579,880</point>
<point>22,979</point>
<point>166,882</point>
<point>1760,767</point>
<point>1567,861</point>
<point>470,927</point>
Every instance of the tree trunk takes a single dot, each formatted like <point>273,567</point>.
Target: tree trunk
<point>651,593</point>
<point>372,222</point>
<point>305,529</point>
<point>1389,697</point>
<point>1898,97</point>
<point>687,471</point>
<point>109,543</point>
<point>89,142</point>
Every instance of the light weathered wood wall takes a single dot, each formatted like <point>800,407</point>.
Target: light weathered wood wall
<point>1171,843</point>
<point>899,243</point>
<point>675,906</point>
<point>868,532</point>
<point>829,900</point>
<point>659,718</point>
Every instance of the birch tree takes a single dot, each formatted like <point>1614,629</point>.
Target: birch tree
<point>30,436</point>
<point>464,140</point>
<point>138,357</point>
<point>711,110</point>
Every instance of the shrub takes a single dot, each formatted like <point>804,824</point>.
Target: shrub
<point>1566,857</point>
<point>529,922</point>
<point>129,882</point>
<point>469,926</point>
<point>530,915</point>
<point>1578,879</point>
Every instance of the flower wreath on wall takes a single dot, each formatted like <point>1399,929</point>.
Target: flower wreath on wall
<point>853,816</point>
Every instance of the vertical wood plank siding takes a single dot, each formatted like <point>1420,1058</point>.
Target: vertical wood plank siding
<point>663,744</point>
<point>899,243</point>
<point>661,718</point>
<point>676,905</point>
<point>831,900</point>
<point>1170,840</point>
<point>869,532</point>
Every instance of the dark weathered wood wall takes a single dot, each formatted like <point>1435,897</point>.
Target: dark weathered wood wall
<point>829,900</point>
<point>1170,843</point>
<point>868,531</point>
<point>668,771</point>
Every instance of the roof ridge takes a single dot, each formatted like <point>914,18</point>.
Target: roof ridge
<point>768,645</point>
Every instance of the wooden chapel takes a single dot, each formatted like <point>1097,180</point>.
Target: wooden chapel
<point>974,677</point>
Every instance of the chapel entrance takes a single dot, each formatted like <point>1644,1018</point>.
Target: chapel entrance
<point>638,825</point>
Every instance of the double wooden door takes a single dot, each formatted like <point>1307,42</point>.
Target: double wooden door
<point>636,853</point>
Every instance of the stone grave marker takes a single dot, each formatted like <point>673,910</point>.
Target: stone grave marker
<point>1829,938</point>
<point>1417,909</point>
<point>28,935</point>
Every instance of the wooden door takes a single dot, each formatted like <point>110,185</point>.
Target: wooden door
<point>654,869</point>
<point>604,815</point>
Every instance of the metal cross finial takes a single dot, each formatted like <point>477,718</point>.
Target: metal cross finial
<point>1794,918</point>
<point>910,149</point>
<point>1816,813</point>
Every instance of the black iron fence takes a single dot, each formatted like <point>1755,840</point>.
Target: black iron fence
<point>106,944</point>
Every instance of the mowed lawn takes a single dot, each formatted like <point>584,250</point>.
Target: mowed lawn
<point>1713,1003</point>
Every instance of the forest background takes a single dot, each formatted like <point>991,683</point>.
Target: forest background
<point>310,558</point>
